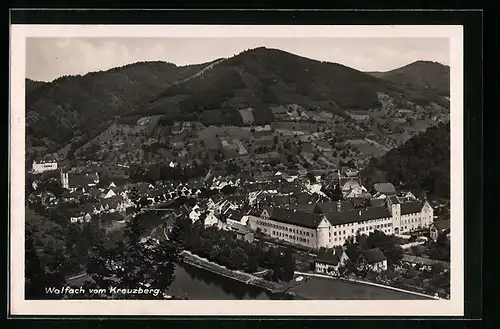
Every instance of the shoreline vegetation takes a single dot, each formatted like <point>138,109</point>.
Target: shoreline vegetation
<point>247,278</point>
<point>273,287</point>
<point>276,288</point>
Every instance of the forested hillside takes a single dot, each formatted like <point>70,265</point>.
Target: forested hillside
<point>421,79</point>
<point>56,111</point>
<point>421,164</point>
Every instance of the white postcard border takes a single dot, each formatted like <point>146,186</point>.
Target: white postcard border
<point>20,306</point>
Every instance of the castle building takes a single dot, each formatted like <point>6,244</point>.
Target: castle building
<point>399,215</point>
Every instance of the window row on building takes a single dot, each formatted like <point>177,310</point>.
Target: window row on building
<point>289,237</point>
<point>284,228</point>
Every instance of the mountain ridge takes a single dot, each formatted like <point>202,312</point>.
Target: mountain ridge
<point>211,92</point>
<point>426,75</point>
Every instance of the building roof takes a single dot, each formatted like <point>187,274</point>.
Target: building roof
<point>358,215</point>
<point>386,188</point>
<point>255,212</point>
<point>329,257</point>
<point>394,199</point>
<point>411,207</point>
<point>357,201</point>
<point>377,202</point>
<point>443,224</point>
<point>240,228</point>
<point>326,207</point>
<point>348,184</point>
<point>294,217</point>
<point>112,202</point>
<point>424,261</point>
<point>374,255</point>
<point>309,208</point>
<point>234,215</point>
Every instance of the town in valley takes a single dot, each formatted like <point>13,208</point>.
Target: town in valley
<point>292,192</point>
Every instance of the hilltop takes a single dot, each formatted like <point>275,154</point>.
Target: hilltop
<point>262,77</point>
<point>428,76</point>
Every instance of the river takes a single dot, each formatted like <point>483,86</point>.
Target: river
<point>193,283</point>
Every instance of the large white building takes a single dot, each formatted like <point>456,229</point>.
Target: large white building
<point>39,167</point>
<point>397,216</point>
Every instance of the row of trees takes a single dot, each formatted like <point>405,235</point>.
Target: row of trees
<point>222,247</point>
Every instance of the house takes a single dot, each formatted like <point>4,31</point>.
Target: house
<point>210,220</point>
<point>235,216</point>
<point>425,264</point>
<point>112,204</point>
<point>377,202</point>
<point>109,194</point>
<point>80,217</point>
<point>352,188</point>
<point>330,261</point>
<point>195,213</point>
<point>123,205</point>
<point>242,232</point>
<point>373,260</point>
<point>439,227</point>
<point>44,165</point>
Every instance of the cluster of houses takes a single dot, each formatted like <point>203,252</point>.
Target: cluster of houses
<point>284,206</point>
<point>330,261</point>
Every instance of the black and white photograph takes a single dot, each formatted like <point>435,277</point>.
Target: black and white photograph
<point>237,170</point>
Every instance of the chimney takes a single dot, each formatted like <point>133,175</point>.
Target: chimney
<point>333,251</point>
<point>339,206</point>
<point>359,213</point>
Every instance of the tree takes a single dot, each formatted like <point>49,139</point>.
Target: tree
<point>387,245</point>
<point>238,259</point>
<point>288,265</point>
<point>225,254</point>
<point>311,177</point>
<point>132,263</point>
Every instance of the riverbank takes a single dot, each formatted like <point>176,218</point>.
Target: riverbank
<point>356,281</point>
<point>243,277</point>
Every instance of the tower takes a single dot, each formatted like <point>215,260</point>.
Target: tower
<point>323,233</point>
<point>64,179</point>
<point>396,218</point>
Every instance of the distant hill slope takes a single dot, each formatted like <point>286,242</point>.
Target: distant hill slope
<point>212,93</point>
<point>31,85</point>
<point>55,111</point>
<point>261,77</point>
<point>423,75</point>
<point>421,164</point>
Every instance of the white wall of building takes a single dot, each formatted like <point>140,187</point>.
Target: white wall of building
<point>39,167</point>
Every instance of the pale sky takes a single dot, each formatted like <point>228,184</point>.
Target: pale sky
<point>50,58</point>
